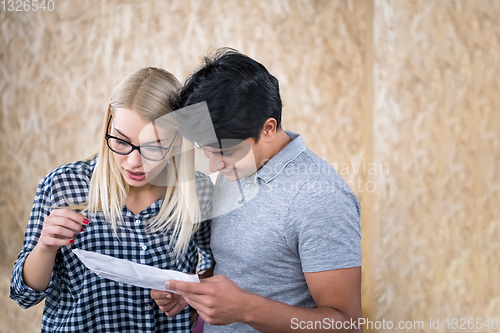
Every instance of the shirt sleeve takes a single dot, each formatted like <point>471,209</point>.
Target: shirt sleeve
<point>324,229</point>
<point>201,238</point>
<point>19,291</point>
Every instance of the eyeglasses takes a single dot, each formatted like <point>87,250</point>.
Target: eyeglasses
<point>150,152</point>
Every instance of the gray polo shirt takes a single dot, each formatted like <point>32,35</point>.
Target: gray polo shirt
<point>295,215</point>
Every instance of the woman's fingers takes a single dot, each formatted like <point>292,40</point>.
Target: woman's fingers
<point>178,307</point>
<point>169,303</point>
<point>62,222</point>
<point>162,295</point>
<point>168,307</point>
<point>71,215</point>
<point>76,219</point>
<point>53,242</point>
<point>60,227</point>
<point>165,300</point>
<point>59,231</point>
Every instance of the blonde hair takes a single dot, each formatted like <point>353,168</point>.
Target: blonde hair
<point>147,92</point>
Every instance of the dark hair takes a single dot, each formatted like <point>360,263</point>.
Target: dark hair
<point>240,94</point>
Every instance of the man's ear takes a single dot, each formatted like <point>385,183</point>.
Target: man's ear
<point>178,140</point>
<point>269,130</point>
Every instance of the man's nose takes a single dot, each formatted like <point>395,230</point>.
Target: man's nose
<point>216,163</point>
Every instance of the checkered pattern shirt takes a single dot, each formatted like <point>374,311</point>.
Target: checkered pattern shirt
<point>78,300</point>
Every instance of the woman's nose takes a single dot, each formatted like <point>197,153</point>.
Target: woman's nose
<point>134,159</point>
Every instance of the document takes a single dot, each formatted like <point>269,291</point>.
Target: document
<point>121,270</point>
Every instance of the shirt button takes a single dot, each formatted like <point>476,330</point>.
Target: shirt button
<point>247,184</point>
<point>144,247</point>
<point>137,222</point>
<point>148,307</point>
<point>240,201</point>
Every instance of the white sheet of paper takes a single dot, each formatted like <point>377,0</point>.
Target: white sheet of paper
<point>121,270</point>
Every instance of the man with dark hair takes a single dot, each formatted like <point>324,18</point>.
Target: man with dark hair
<point>285,227</point>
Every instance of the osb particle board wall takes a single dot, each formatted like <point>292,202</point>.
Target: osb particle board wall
<point>437,123</point>
<point>400,96</point>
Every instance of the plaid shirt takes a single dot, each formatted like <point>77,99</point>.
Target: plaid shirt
<point>77,300</point>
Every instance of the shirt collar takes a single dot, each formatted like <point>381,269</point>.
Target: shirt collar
<point>278,162</point>
<point>147,213</point>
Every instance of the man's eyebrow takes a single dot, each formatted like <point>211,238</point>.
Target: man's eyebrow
<point>213,149</point>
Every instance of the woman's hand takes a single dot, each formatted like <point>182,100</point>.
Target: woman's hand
<point>60,228</point>
<point>170,303</point>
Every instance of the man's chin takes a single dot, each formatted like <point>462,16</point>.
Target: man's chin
<point>230,175</point>
<point>235,175</point>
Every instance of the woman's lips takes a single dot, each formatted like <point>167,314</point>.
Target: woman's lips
<point>137,176</point>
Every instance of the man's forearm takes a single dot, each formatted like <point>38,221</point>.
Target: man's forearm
<point>275,317</point>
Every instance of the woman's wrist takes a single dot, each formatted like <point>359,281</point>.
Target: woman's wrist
<point>38,267</point>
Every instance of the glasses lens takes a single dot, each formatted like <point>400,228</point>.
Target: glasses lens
<point>119,146</point>
<point>154,153</point>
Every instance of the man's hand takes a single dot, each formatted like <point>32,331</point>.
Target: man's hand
<point>168,302</point>
<point>219,300</point>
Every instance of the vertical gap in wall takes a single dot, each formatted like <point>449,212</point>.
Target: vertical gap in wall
<point>368,199</point>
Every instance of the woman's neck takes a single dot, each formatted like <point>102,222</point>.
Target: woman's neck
<point>140,198</point>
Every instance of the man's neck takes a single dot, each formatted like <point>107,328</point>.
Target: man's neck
<point>281,141</point>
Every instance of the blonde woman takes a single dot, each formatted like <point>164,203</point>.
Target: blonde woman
<point>138,198</point>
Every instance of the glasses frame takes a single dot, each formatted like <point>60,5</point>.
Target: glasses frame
<point>134,147</point>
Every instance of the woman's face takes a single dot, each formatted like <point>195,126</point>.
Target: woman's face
<point>137,170</point>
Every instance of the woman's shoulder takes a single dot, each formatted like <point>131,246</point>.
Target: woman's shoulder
<point>74,172</point>
<point>204,189</point>
<point>203,182</point>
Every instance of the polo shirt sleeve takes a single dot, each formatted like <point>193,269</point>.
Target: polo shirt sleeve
<point>19,291</point>
<point>324,225</point>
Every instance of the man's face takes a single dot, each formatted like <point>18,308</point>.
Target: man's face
<point>234,159</point>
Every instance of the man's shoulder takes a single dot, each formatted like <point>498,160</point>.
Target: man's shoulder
<point>317,179</point>
<point>310,167</point>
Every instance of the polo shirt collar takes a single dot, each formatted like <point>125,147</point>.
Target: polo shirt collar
<point>278,162</point>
